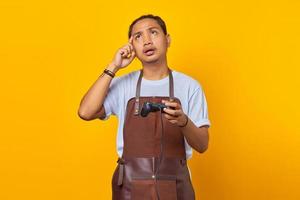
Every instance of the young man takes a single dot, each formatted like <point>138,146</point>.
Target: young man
<point>152,149</point>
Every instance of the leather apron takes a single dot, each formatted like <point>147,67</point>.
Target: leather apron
<point>153,165</point>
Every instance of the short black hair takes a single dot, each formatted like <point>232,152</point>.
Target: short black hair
<point>158,19</point>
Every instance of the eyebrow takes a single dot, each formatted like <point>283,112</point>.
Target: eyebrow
<point>152,27</point>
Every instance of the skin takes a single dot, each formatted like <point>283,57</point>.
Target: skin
<point>146,33</point>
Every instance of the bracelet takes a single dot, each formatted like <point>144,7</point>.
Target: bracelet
<point>108,72</point>
<point>187,120</point>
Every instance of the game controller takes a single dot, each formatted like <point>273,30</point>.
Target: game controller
<point>151,107</point>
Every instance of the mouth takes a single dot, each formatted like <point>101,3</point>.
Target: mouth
<point>149,51</point>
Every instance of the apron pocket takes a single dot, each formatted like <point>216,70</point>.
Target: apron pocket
<point>145,188</point>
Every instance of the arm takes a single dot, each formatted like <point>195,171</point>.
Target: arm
<point>91,105</point>
<point>197,137</point>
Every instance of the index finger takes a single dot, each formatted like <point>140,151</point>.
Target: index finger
<point>130,39</point>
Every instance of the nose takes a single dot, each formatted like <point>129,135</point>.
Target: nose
<point>147,39</point>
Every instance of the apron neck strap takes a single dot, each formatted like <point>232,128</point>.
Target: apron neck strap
<point>138,90</point>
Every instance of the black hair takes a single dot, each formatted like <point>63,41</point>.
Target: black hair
<point>158,19</point>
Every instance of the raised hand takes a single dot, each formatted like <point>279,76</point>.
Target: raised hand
<point>125,55</point>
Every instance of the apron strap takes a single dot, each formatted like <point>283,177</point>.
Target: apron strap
<point>138,91</point>
<point>171,86</point>
<point>121,163</point>
<point>137,94</point>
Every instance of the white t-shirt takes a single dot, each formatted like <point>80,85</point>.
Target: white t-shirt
<point>186,89</point>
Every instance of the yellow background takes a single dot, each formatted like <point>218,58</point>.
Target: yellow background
<point>244,53</point>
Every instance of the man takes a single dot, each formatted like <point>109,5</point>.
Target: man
<point>152,148</point>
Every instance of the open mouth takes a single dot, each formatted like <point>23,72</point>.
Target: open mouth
<point>149,51</point>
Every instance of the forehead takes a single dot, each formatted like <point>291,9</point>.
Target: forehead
<point>145,24</point>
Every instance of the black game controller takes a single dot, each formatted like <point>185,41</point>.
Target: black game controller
<point>151,107</point>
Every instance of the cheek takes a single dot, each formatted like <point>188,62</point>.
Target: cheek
<point>162,43</point>
<point>139,52</point>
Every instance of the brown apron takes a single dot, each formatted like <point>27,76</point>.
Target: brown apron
<point>153,164</point>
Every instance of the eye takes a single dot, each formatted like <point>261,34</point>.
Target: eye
<point>154,32</point>
<point>137,36</point>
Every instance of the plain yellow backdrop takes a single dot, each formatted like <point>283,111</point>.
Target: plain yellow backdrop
<point>245,54</point>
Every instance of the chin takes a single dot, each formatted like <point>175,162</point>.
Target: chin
<point>153,59</point>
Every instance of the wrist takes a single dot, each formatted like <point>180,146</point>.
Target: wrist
<point>112,67</point>
<point>109,70</point>
<point>186,122</point>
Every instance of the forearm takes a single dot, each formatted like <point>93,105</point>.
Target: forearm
<point>93,100</point>
<point>196,137</point>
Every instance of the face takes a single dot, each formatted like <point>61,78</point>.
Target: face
<point>149,41</point>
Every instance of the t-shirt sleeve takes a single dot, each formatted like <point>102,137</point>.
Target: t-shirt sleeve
<point>198,111</point>
<point>111,104</point>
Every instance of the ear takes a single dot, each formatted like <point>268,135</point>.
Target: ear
<point>168,40</point>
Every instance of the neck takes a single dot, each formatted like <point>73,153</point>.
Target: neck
<point>155,71</point>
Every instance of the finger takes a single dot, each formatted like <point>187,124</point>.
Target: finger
<point>124,47</point>
<point>131,43</point>
<point>132,56</point>
<point>172,112</point>
<point>169,102</point>
<point>173,121</point>
<point>128,49</point>
<point>170,117</point>
<point>131,47</point>
<point>130,40</point>
<point>125,52</point>
<point>122,52</point>
<point>172,104</point>
<point>129,52</point>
